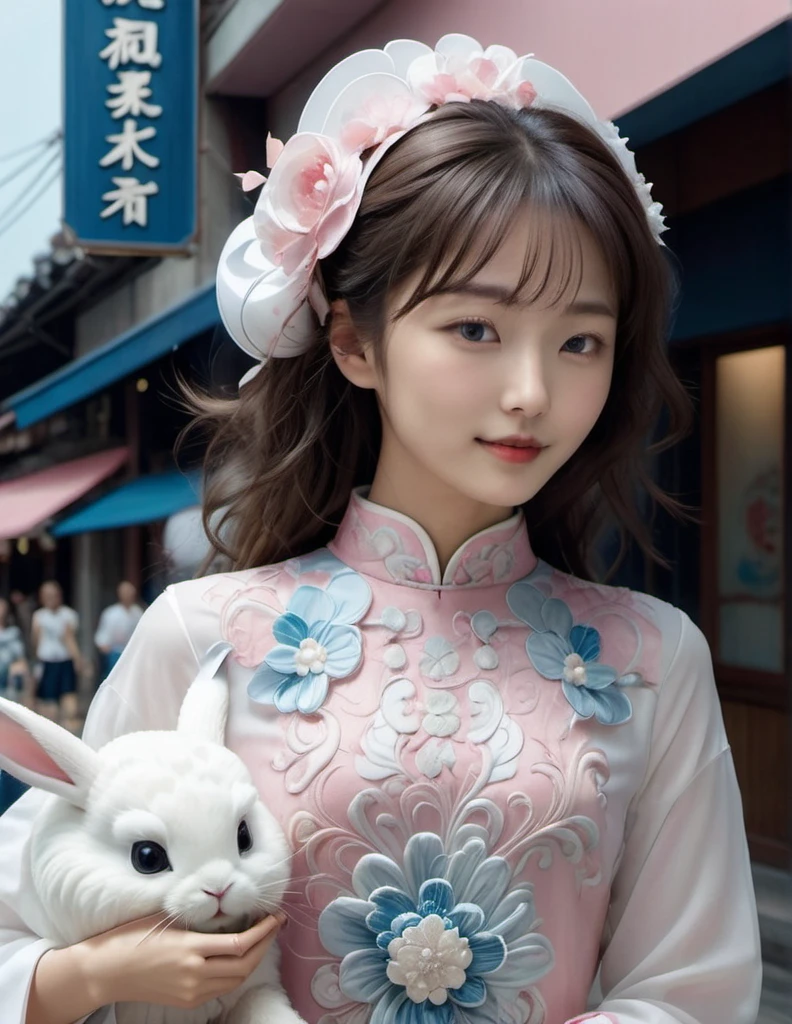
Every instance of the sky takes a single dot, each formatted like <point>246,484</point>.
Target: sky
<point>30,109</point>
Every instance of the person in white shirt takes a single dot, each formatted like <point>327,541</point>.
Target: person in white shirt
<point>14,672</point>
<point>54,636</point>
<point>117,623</point>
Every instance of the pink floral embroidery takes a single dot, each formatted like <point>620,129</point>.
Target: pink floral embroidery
<point>246,615</point>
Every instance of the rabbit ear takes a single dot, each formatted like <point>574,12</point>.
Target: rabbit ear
<point>204,709</point>
<point>37,751</point>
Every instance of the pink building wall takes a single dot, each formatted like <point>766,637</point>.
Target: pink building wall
<point>619,53</point>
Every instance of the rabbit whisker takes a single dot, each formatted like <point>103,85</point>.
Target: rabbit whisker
<point>161,926</point>
<point>303,918</point>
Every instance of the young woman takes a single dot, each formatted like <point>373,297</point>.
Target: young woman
<point>54,640</point>
<point>496,776</point>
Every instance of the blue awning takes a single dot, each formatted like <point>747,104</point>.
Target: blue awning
<point>140,501</point>
<point>115,360</point>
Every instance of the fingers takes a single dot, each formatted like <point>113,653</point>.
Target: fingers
<point>236,944</point>
<point>215,988</point>
<point>238,967</point>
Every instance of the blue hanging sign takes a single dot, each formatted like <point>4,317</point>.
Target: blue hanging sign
<point>131,124</point>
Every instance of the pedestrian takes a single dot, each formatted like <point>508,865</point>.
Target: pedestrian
<point>15,684</point>
<point>14,670</point>
<point>497,774</point>
<point>23,607</point>
<point>116,625</point>
<point>54,639</point>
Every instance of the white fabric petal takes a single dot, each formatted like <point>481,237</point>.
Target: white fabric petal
<point>364,62</point>
<point>422,71</point>
<point>403,52</point>
<point>357,97</point>
<point>455,44</point>
<point>503,56</point>
<point>255,298</point>
<point>554,90</point>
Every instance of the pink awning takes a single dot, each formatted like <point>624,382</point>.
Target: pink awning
<point>28,500</point>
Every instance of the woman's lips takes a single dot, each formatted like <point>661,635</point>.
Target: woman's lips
<point>512,453</point>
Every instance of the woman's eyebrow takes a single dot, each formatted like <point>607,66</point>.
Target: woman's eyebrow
<point>499,293</point>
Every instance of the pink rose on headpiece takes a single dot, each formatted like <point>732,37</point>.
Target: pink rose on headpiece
<point>309,201</point>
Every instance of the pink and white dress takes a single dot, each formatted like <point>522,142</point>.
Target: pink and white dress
<point>493,782</point>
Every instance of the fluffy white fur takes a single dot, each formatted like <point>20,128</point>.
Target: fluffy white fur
<point>182,789</point>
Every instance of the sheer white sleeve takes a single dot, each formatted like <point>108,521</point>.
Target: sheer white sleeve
<point>144,691</point>
<point>681,944</point>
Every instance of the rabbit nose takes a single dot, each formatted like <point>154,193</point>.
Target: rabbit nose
<point>219,895</point>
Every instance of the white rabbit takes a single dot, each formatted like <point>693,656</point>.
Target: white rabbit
<point>152,822</point>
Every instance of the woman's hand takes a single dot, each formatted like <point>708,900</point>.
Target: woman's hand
<point>143,962</point>
<point>146,963</point>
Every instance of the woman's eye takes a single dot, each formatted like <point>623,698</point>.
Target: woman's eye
<point>581,344</point>
<point>474,330</point>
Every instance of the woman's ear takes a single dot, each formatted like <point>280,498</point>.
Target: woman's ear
<point>353,357</point>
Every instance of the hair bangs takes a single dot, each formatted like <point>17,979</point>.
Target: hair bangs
<point>460,223</point>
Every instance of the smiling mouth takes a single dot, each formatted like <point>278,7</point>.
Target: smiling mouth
<point>515,441</point>
<point>516,450</point>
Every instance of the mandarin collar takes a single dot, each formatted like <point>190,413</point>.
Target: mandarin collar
<point>388,545</point>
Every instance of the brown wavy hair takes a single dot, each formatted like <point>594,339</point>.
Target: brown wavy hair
<point>284,456</point>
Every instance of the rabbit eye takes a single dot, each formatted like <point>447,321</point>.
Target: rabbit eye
<point>244,838</point>
<point>149,858</point>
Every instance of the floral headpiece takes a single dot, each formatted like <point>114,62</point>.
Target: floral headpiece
<point>268,289</point>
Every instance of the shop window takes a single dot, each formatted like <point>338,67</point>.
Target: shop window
<point>746,511</point>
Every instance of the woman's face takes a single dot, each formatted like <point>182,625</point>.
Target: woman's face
<point>483,401</point>
<point>50,596</point>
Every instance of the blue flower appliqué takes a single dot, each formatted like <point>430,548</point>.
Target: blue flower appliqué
<point>317,642</point>
<point>443,941</point>
<point>560,650</point>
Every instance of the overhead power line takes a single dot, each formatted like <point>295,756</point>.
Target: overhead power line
<point>39,143</point>
<point>12,207</point>
<point>29,163</point>
<point>16,211</point>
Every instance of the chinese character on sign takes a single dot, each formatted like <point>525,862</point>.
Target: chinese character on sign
<point>127,149</point>
<point>131,93</point>
<point>132,42</point>
<point>149,5</point>
<point>131,197</point>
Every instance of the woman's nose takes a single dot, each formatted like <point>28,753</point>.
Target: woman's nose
<point>526,388</point>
